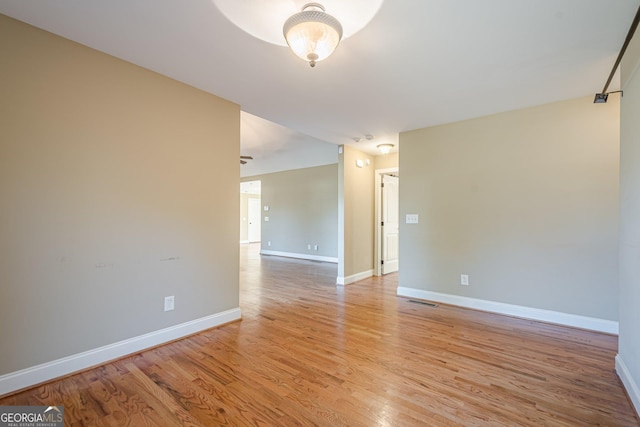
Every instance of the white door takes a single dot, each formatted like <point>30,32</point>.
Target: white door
<point>253,228</point>
<point>390,223</point>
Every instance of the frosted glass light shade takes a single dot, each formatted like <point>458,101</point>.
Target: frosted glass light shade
<point>312,34</point>
<point>385,148</point>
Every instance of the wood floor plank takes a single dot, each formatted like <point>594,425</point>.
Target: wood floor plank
<point>308,353</point>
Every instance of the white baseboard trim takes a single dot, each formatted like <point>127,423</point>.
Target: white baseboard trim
<point>309,257</point>
<point>353,278</point>
<point>583,322</point>
<point>77,362</point>
<point>629,384</point>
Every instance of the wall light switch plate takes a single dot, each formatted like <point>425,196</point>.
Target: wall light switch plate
<point>266,208</point>
<point>464,279</point>
<point>266,219</point>
<point>411,219</point>
<point>169,303</point>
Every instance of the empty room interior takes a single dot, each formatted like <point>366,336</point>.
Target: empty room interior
<point>358,213</point>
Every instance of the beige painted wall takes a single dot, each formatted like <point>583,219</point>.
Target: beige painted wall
<point>356,222</point>
<point>303,210</point>
<point>525,202</point>
<point>387,161</point>
<point>111,178</point>
<point>629,340</point>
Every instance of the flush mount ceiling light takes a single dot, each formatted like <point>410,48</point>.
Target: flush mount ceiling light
<point>385,148</point>
<point>312,34</point>
<point>264,20</point>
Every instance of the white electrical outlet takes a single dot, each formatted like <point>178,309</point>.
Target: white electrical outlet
<point>266,219</point>
<point>269,243</point>
<point>315,247</point>
<point>464,279</point>
<point>309,247</point>
<point>169,303</point>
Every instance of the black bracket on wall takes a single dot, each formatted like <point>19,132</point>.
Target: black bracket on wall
<point>601,97</point>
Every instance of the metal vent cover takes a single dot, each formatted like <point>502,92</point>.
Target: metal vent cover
<point>430,304</point>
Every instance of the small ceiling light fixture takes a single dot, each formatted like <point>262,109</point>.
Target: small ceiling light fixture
<point>312,34</point>
<point>385,148</point>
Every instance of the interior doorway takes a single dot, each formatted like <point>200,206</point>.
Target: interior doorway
<point>387,221</point>
<point>250,216</point>
<point>253,227</point>
<point>389,224</point>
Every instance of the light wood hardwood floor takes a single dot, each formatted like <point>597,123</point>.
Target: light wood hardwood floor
<point>310,353</point>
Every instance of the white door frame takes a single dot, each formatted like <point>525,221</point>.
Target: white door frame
<point>377,253</point>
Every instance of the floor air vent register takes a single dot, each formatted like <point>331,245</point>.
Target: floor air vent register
<point>427,303</point>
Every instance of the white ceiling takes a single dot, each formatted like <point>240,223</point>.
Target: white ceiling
<point>275,148</point>
<point>418,63</point>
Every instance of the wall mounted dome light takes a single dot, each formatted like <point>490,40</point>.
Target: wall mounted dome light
<point>312,34</point>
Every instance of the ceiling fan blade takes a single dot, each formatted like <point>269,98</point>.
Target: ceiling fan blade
<point>242,162</point>
<point>246,157</point>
